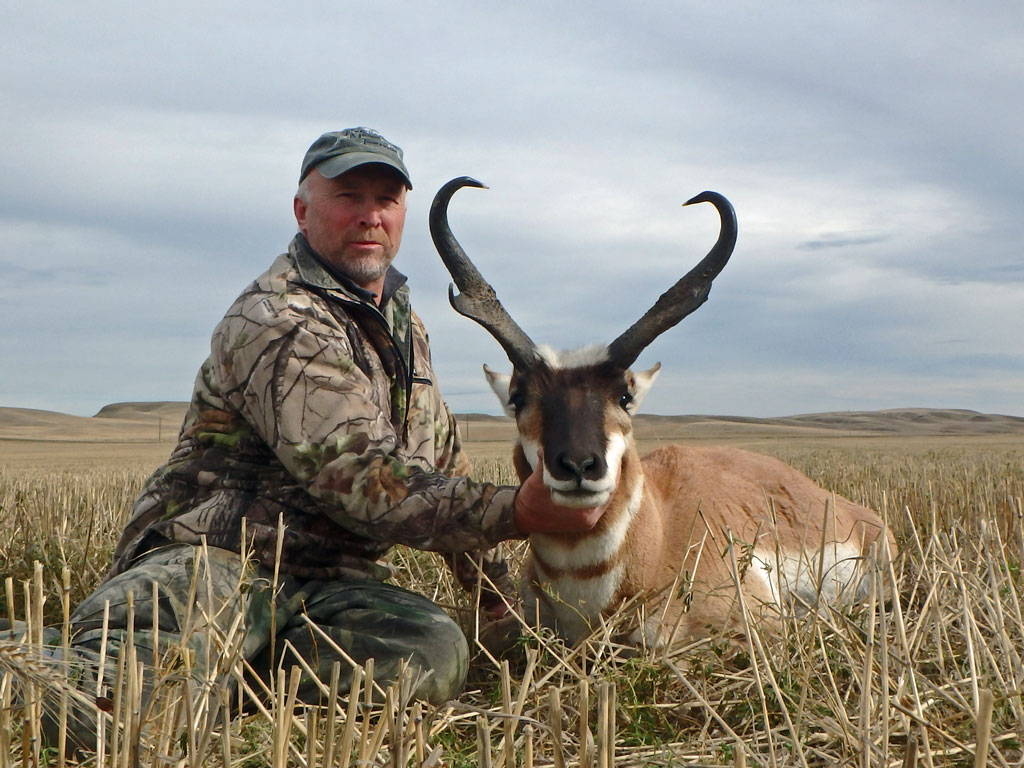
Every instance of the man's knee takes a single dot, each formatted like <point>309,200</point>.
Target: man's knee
<point>176,575</point>
<point>390,624</point>
<point>439,648</point>
<point>447,663</point>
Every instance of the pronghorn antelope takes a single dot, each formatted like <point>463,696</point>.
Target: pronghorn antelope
<point>688,530</point>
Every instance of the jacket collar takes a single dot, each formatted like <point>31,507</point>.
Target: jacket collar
<point>315,272</point>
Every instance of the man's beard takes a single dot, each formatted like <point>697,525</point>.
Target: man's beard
<point>364,270</point>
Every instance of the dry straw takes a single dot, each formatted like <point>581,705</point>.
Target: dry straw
<point>931,675</point>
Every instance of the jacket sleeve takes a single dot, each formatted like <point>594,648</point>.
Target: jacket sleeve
<point>291,375</point>
<point>486,567</point>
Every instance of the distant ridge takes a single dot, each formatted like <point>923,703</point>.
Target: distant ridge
<point>118,422</point>
<point>902,421</point>
<point>160,409</point>
<point>149,421</point>
<point>895,421</point>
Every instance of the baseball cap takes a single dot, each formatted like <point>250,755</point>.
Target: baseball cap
<point>336,152</point>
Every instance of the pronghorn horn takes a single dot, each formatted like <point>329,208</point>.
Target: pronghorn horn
<point>477,299</point>
<point>686,295</point>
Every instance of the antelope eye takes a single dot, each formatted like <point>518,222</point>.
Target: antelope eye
<point>516,400</point>
<point>626,400</point>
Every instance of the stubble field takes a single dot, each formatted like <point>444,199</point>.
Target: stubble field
<point>922,679</point>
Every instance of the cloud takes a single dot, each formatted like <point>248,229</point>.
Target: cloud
<point>872,153</point>
<point>841,240</point>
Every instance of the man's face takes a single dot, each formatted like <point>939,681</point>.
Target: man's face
<point>355,221</point>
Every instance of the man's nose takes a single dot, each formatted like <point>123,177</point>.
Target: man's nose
<point>370,216</point>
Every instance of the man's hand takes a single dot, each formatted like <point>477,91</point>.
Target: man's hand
<point>536,512</point>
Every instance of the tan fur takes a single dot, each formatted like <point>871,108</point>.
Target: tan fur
<point>707,519</point>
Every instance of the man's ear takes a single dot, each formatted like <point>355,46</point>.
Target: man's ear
<point>499,383</point>
<point>299,207</point>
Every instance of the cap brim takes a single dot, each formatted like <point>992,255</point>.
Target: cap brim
<point>333,167</point>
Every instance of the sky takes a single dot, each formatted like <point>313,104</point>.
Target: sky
<point>872,150</point>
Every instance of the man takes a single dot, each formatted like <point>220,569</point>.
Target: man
<point>316,439</point>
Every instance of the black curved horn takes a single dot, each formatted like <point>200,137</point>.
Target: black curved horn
<point>477,299</point>
<point>686,295</point>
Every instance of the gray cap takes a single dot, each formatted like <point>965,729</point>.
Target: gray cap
<point>336,152</point>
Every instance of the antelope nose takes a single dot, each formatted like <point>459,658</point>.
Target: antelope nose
<point>575,467</point>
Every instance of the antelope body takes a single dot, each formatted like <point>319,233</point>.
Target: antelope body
<point>699,534</point>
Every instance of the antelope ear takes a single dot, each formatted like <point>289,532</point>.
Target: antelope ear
<point>639,385</point>
<point>499,383</point>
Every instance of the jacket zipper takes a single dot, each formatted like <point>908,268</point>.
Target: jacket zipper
<point>407,365</point>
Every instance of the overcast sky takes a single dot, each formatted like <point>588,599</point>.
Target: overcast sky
<point>873,152</point>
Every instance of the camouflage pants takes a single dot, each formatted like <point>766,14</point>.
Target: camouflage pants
<point>201,593</point>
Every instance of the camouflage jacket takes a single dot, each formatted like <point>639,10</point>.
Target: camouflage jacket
<point>317,408</point>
